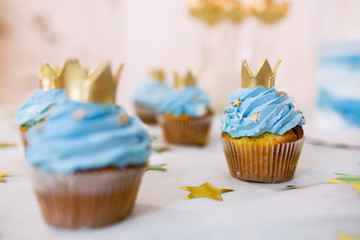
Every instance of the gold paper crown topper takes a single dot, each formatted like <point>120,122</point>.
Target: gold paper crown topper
<point>49,78</point>
<point>158,75</point>
<point>97,86</point>
<point>265,76</point>
<point>188,80</point>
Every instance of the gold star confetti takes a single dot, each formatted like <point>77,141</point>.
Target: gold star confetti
<point>160,149</point>
<point>2,174</point>
<point>281,93</point>
<point>205,190</point>
<point>124,119</point>
<point>353,181</point>
<point>79,114</point>
<point>7,144</point>
<point>342,236</point>
<point>237,102</point>
<point>255,117</point>
<point>157,167</point>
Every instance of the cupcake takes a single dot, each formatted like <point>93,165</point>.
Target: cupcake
<point>261,135</point>
<point>149,95</point>
<point>88,158</point>
<point>185,113</point>
<point>40,103</point>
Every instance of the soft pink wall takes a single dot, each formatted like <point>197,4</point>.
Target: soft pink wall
<point>145,34</point>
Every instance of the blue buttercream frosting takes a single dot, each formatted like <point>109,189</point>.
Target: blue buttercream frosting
<point>38,106</point>
<point>83,136</point>
<point>191,101</point>
<point>151,93</point>
<point>275,111</point>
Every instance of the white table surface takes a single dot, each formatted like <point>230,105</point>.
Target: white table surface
<point>252,211</point>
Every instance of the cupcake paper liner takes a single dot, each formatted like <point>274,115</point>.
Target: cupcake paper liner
<point>92,198</point>
<point>23,136</point>
<point>186,131</point>
<point>146,114</point>
<point>262,163</point>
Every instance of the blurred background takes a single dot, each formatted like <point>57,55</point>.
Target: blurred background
<point>162,33</point>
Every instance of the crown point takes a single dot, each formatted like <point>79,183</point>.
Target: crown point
<point>49,78</point>
<point>188,80</point>
<point>118,74</point>
<point>264,76</point>
<point>158,75</point>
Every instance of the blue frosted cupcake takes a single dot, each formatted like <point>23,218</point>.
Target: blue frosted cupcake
<point>40,104</point>
<point>89,157</point>
<point>149,96</point>
<point>185,113</point>
<point>262,135</point>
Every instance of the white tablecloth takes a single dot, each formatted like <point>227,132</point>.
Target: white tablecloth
<point>252,211</point>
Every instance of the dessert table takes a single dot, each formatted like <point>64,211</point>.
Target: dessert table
<point>251,211</point>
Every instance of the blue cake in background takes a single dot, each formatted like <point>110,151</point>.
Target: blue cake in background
<point>338,102</point>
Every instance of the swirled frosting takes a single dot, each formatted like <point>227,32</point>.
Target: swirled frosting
<point>151,93</point>
<point>38,106</point>
<point>83,136</point>
<point>190,100</point>
<point>260,111</point>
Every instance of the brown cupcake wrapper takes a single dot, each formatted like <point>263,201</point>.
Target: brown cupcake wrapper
<point>193,131</point>
<point>92,198</point>
<point>146,114</point>
<point>23,136</point>
<point>259,163</point>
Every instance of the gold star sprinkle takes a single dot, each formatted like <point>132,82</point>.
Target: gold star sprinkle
<point>7,144</point>
<point>124,119</point>
<point>353,181</point>
<point>2,174</point>
<point>300,112</point>
<point>255,117</point>
<point>281,93</point>
<point>205,190</point>
<point>342,236</point>
<point>79,114</point>
<point>237,102</point>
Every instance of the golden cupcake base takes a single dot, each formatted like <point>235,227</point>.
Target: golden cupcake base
<point>93,198</point>
<point>185,130</point>
<point>262,162</point>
